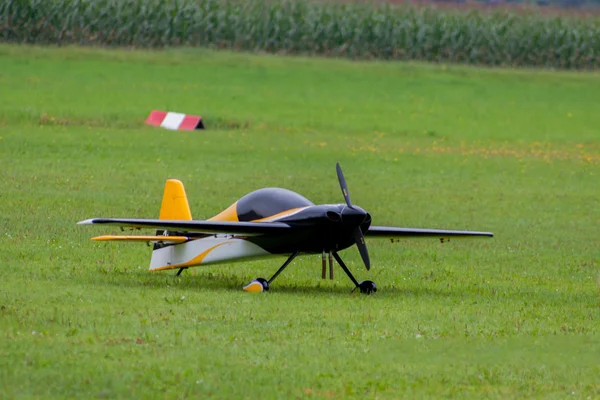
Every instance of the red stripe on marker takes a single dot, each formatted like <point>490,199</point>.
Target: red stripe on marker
<point>156,118</point>
<point>190,123</point>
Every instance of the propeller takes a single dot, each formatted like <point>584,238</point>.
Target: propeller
<point>343,184</point>
<point>356,216</point>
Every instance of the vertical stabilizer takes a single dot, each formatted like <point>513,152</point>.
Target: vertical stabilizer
<point>174,203</point>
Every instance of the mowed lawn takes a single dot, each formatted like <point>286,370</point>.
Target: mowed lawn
<point>431,146</point>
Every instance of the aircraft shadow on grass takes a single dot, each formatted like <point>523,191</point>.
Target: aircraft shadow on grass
<point>265,223</point>
<point>219,282</point>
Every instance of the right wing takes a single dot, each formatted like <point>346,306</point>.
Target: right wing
<point>392,232</point>
<point>208,227</point>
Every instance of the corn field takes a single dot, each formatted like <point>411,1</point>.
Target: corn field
<point>318,28</point>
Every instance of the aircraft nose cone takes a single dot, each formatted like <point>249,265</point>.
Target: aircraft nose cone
<point>354,216</point>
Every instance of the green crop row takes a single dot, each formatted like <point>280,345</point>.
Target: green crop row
<point>352,30</point>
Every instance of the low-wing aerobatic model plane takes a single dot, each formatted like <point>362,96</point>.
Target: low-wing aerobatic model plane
<point>266,222</point>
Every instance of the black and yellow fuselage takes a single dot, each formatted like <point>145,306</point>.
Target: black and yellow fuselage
<point>316,228</point>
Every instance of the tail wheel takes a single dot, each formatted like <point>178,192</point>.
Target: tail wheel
<point>258,285</point>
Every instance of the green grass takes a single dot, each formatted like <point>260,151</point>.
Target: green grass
<point>516,153</point>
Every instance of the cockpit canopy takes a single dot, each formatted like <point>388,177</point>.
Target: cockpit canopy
<point>266,202</point>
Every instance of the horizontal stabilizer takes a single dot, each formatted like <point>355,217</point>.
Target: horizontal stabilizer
<point>391,232</point>
<point>166,239</point>
<point>209,227</point>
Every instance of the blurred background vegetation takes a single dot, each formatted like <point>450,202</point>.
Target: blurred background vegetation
<point>469,33</point>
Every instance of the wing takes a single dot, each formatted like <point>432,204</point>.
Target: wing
<point>209,227</point>
<point>391,232</point>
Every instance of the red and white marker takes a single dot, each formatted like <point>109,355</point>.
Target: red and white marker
<point>174,121</point>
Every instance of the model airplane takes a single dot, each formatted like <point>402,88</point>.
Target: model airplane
<point>266,222</point>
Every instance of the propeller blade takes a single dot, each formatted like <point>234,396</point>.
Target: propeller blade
<point>343,184</point>
<point>362,247</point>
<point>353,213</point>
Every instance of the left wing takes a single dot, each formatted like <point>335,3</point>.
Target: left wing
<point>391,232</point>
<point>209,227</point>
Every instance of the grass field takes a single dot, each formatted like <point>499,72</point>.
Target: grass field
<point>513,152</point>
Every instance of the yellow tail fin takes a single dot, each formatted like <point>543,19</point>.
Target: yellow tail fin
<point>174,203</point>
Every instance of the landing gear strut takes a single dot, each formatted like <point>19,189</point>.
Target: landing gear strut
<point>261,284</point>
<point>365,287</point>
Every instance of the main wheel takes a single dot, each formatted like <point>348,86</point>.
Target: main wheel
<point>258,285</point>
<point>367,287</point>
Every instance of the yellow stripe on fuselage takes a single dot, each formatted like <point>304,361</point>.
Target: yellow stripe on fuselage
<point>194,261</point>
<point>229,214</point>
<point>280,215</point>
